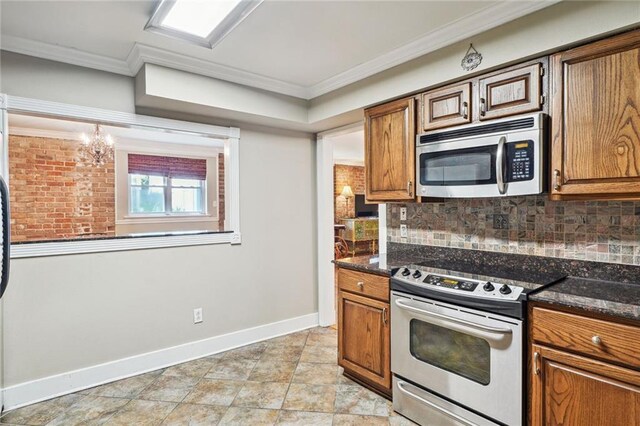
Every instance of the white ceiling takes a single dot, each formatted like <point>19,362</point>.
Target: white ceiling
<point>349,148</point>
<point>302,48</point>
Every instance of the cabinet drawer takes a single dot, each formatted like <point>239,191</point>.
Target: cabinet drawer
<point>588,336</point>
<point>364,284</point>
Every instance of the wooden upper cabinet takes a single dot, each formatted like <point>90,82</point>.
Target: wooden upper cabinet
<point>596,120</point>
<point>390,151</point>
<point>449,106</point>
<point>575,391</point>
<point>512,92</point>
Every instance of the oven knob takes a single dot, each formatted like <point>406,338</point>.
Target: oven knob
<point>488,287</point>
<point>505,289</point>
<point>417,274</point>
<point>405,272</point>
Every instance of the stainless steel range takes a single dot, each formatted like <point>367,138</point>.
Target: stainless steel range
<point>457,345</point>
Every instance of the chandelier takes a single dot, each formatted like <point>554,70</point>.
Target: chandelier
<point>96,149</point>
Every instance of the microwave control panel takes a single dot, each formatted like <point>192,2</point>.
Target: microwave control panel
<point>519,161</point>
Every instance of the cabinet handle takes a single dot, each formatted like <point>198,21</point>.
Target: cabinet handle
<point>409,186</point>
<point>556,177</point>
<point>536,361</point>
<point>483,108</point>
<point>465,110</point>
<point>596,340</point>
<point>384,316</point>
<point>360,285</point>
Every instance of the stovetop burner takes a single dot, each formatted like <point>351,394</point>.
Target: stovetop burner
<point>488,288</point>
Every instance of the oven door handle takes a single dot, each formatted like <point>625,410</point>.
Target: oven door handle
<point>502,186</point>
<point>433,405</point>
<point>485,328</point>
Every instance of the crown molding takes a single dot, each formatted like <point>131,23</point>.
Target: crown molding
<point>143,54</point>
<point>67,55</point>
<point>461,29</point>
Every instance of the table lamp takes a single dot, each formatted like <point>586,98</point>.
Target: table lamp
<point>347,193</point>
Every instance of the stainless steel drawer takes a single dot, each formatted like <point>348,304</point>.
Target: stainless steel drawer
<point>428,409</point>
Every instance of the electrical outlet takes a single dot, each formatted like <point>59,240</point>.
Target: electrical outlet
<point>403,231</point>
<point>197,315</point>
<point>403,213</point>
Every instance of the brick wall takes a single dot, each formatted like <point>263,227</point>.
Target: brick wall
<point>221,192</point>
<point>53,195</point>
<point>346,175</point>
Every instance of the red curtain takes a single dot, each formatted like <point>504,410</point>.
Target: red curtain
<point>174,167</point>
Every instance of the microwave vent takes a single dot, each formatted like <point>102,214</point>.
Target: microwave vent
<point>505,126</point>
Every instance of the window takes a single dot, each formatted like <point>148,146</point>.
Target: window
<point>150,194</point>
<point>167,185</point>
<point>203,22</point>
<point>86,208</point>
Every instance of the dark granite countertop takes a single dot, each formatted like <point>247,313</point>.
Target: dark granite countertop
<point>597,296</point>
<point>381,264</point>
<point>598,287</point>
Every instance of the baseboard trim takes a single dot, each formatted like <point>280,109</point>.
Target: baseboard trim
<point>53,386</point>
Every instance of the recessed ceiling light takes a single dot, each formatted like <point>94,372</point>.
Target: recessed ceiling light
<point>204,22</point>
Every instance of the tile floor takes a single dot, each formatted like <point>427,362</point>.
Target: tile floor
<point>289,380</point>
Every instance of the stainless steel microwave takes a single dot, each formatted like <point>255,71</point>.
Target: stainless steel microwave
<point>495,159</point>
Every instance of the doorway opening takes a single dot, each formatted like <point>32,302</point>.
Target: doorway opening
<point>348,226</point>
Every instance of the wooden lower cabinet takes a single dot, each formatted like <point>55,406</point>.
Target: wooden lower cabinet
<point>364,339</point>
<point>571,384</point>
<point>574,390</point>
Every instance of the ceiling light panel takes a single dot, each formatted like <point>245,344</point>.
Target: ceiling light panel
<point>204,22</point>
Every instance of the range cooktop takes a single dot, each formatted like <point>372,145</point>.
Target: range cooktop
<point>486,287</point>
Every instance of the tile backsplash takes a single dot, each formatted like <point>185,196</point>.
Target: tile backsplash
<point>606,231</point>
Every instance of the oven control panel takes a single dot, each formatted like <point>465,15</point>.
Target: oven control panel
<point>451,283</point>
<point>461,286</point>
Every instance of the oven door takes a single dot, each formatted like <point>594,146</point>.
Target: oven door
<point>464,355</point>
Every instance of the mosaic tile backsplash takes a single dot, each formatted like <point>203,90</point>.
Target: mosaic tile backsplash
<point>606,231</point>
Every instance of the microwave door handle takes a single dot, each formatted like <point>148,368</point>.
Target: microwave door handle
<point>502,186</point>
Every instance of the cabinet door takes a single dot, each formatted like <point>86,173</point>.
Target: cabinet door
<point>390,151</point>
<point>449,106</point>
<point>363,339</point>
<point>596,120</point>
<point>573,390</point>
<point>512,92</point>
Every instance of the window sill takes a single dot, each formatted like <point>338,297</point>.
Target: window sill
<point>137,219</point>
<point>133,242</point>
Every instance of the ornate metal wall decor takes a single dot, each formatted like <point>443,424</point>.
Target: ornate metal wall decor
<point>471,59</point>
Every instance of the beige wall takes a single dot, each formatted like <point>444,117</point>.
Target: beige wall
<point>67,312</point>
<point>37,78</point>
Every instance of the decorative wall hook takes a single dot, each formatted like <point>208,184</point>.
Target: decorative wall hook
<point>471,59</point>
